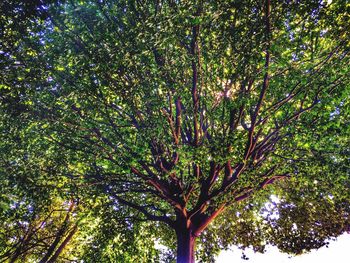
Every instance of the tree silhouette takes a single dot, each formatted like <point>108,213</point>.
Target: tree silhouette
<point>178,111</point>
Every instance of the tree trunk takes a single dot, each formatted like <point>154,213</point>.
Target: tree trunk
<point>185,246</point>
<point>63,245</point>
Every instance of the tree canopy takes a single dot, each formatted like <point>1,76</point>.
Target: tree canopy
<point>127,124</point>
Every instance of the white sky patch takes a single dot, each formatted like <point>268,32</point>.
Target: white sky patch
<point>337,251</point>
<point>275,199</point>
<point>159,246</point>
<point>270,210</point>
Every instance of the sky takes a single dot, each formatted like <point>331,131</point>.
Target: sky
<point>337,252</point>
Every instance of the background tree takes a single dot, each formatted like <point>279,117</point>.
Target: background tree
<point>178,111</point>
<point>49,217</point>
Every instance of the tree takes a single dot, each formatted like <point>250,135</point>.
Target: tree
<point>45,215</point>
<point>38,221</point>
<point>179,111</point>
<point>41,236</point>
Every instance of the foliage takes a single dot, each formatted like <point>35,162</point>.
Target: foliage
<point>176,112</point>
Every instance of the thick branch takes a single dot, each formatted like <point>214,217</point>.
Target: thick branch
<point>195,96</point>
<point>59,235</point>
<point>144,211</point>
<point>63,245</point>
<point>208,219</point>
<point>254,116</point>
<point>161,188</point>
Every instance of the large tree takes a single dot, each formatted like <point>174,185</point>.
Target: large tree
<point>178,111</point>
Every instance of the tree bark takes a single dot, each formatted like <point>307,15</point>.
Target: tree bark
<point>185,246</point>
<point>63,245</point>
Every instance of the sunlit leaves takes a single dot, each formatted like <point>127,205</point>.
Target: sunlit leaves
<point>96,90</point>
